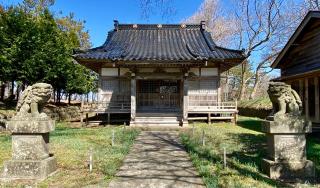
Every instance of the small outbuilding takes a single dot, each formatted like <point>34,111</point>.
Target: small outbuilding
<point>299,62</point>
<point>161,74</point>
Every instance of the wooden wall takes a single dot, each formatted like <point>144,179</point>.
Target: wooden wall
<point>309,90</point>
<point>203,92</point>
<point>114,86</point>
<point>304,55</point>
<point>203,85</point>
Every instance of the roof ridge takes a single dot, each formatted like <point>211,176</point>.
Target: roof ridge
<point>157,26</point>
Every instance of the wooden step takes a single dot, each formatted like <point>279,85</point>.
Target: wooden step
<point>158,114</point>
<point>153,124</point>
<point>212,118</point>
<point>157,119</point>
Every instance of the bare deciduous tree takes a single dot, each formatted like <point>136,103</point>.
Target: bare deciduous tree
<point>289,16</point>
<point>223,28</point>
<point>164,7</point>
<point>313,4</point>
<point>261,27</point>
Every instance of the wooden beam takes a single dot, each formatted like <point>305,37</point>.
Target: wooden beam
<point>306,98</point>
<point>317,103</point>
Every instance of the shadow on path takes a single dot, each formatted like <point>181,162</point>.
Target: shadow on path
<point>157,159</point>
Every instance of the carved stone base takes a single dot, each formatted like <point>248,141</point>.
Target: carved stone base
<point>29,169</point>
<point>300,170</point>
<point>30,126</point>
<point>286,142</point>
<point>31,158</point>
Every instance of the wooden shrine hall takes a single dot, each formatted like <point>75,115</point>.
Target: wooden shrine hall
<point>161,74</point>
<point>299,62</point>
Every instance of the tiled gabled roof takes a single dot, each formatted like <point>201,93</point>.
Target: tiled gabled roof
<point>130,42</point>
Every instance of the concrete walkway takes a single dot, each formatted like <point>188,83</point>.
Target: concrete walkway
<point>157,160</point>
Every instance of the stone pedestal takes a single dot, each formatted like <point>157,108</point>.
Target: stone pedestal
<point>287,149</point>
<point>30,150</point>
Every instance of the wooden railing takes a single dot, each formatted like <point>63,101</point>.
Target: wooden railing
<point>205,106</point>
<point>106,107</point>
<point>194,106</point>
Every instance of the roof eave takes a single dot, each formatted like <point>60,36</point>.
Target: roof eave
<point>87,60</point>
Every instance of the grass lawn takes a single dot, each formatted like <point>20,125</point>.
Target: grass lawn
<point>244,143</point>
<point>245,147</point>
<point>71,148</point>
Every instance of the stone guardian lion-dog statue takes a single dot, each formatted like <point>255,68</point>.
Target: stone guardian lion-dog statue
<point>33,100</point>
<point>285,100</point>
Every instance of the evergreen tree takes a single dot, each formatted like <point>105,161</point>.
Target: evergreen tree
<point>37,47</point>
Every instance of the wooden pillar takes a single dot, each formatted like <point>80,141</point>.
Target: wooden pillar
<point>108,121</point>
<point>81,118</point>
<point>235,118</point>
<point>87,118</point>
<point>306,98</point>
<point>235,115</point>
<point>301,89</point>
<point>81,109</point>
<point>185,101</point>
<point>99,90</point>
<point>219,86</point>
<point>209,118</point>
<point>317,104</point>
<point>133,97</point>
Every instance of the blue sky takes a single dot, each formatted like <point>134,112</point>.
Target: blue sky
<point>99,14</point>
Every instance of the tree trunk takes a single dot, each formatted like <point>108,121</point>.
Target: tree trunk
<point>54,96</point>
<point>12,89</point>
<point>242,90</point>
<point>24,85</point>
<point>69,98</point>
<point>18,92</point>
<point>255,86</point>
<point>3,88</point>
<point>243,82</point>
<point>58,96</point>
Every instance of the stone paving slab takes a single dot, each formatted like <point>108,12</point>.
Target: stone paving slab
<point>157,159</point>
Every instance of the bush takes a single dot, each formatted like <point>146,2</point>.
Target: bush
<point>260,107</point>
